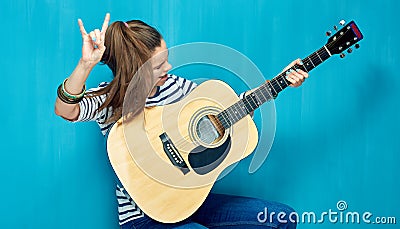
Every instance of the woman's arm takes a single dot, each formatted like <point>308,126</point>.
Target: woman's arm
<point>73,85</point>
<point>92,51</point>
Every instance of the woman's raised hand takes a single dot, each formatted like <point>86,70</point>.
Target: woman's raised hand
<point>93,42</point>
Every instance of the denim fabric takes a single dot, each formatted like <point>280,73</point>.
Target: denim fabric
<point>225,211</point>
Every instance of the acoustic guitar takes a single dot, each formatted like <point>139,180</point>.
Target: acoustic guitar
<point>168,157</point>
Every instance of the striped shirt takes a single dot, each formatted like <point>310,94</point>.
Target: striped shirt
<point>173,90</point>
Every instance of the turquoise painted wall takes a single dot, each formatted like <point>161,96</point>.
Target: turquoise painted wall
<point>336,136</point>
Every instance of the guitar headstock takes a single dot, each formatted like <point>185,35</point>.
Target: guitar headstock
<point>343,39</point>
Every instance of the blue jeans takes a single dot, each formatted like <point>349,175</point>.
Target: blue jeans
<point>225,211</point>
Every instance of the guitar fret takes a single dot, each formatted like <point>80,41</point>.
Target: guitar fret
<point>277,90</point>
<point>248,104</point>
<point>262,99</point>
<point>277,82</point>
<point>287,83</point>
<point>253,102</point>
<point>301,67</point>
<point>269,90</point>
<point>311,62</point>
<point>232,114</point>
<point>270,87</point>
<point>230,117</point>
<point>225,120</point>
<point>281,82</point>
<point>244,105</point>
<point>241,112</point>
<point>319,57</point>
<point>238,111</point>
<point>316,59</point>
<point>267,93</point>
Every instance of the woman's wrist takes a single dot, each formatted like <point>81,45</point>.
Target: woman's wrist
<point>87,65</point>
<point>78,77</point>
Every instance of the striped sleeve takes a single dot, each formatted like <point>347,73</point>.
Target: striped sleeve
<point>186,85</point>
<point>241,95</point>
<point>89,105</point>
<point>173,90</point>
<point>127,208</point>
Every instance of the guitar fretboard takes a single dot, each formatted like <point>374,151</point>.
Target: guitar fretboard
<point>269,90</point>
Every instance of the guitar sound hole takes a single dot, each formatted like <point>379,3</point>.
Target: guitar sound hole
<point>209,130</point>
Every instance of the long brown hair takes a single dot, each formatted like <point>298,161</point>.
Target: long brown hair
<point>128,46</point>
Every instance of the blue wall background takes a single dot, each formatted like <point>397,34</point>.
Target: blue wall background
<point>336,138</point>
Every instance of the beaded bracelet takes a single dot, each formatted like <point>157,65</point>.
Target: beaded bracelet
<point>70,95</point>
<point>64,96</point>
<point>65,99</point>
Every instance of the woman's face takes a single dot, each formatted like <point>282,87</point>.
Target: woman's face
<point>160,64</point>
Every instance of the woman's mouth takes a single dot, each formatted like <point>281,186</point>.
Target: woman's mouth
<point>164,77</point>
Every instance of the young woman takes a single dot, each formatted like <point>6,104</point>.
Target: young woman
<point>125,47</point>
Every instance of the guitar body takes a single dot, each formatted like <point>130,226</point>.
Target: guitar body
<point>139,151</point>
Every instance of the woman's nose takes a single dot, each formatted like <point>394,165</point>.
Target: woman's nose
<point>168,67</point>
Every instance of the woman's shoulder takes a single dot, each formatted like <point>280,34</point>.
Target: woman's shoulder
<point>100,86</point>
<point>176,77</point>
<point>179,80</point>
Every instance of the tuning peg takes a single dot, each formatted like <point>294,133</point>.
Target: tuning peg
<point>342,55</point>
<point>328,33</point>
<point>342,22</point>
<point>350,50</point>
<point>357,46</point>
<point>335,27</point>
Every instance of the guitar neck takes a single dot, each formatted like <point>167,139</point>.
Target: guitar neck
<point>269,90</point>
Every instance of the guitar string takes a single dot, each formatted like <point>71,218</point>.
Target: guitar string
<point>272,82</point>
<point>312,58</point>
<point>237,115</point>
<point>321,55</point>
<point>185,139</point>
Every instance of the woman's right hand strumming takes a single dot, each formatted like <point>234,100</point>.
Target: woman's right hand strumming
<point>93,42</point>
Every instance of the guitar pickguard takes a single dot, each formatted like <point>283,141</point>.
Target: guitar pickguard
<point>204,160</point>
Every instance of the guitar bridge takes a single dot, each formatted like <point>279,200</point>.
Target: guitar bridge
<point>173,154</point>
